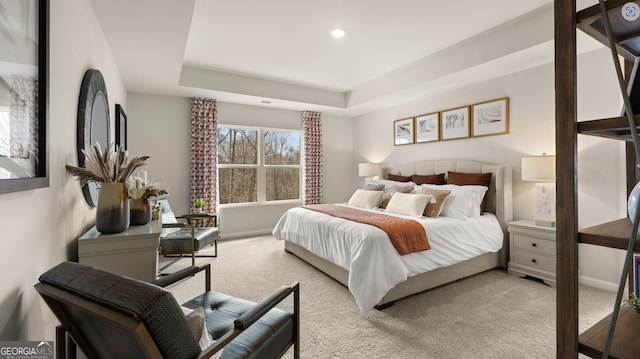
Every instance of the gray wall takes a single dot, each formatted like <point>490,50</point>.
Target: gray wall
<point>41,227</point>
<point>159,126</point>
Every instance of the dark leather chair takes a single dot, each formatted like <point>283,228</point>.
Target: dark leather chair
<point>111,316</point>
<point>180,239</point>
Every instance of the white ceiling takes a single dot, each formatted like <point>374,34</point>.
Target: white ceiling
<point>280,51</point>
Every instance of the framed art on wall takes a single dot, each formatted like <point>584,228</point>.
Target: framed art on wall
<point>455,123</point>
<point>490,117</point>
<point>121,127</point>
<point>24,124</point>
<point>403,131</point>
<point>427,127</point>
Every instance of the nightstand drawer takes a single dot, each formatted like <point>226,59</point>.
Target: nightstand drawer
<point>534,244</point>
<point>535,260</point>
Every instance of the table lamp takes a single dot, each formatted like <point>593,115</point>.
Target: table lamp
<point>542,170</point>
<point>369,170</point>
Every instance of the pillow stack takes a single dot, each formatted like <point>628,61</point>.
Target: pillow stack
<point>462,195</point>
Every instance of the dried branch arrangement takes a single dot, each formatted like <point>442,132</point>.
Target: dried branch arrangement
<point>144,191</point>
<point>110,165</point>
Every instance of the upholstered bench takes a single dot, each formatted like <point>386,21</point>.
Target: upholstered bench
<point>112,316</point>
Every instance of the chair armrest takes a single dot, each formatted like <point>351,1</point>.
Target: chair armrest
<point>257,311</point>
<point>252,315</point>
<point>174,225</point>
<point>184,273</point>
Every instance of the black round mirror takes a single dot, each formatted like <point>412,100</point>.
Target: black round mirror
<point>93,123</point>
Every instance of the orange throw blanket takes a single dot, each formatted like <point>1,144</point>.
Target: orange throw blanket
<point>406,235</point>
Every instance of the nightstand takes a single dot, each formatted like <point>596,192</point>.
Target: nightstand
<point>532,251</point>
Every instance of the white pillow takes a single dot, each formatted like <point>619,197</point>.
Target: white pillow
<point>198,325</point>
<point>409,204</point>
<point>464,201</point>
<point>365,199</point>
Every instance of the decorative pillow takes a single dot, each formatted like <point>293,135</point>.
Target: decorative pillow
<point>373,187</point>
<point>434,209</point>
<point>365,199</point>
<point>465,179</point>
<point>463,201</point>
<point>389,191</point>
<point>167,213</point>
<point>409,204</point>
<point>398,178</point>
<point>198,325</point>
<point>428,179</point>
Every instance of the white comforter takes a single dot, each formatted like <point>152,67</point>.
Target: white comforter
<point>374,265</point>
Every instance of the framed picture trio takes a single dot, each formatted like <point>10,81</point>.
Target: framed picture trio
<point>487,118</point>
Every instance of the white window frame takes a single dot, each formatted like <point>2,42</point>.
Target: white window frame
<point>261,167</point>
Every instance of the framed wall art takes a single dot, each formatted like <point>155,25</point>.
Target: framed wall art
<point>24,110</point>
<point>427,127</point>
<point>490,117</point>
<point>455,123</point>
<point>403,131</point>
<point>121,127</point>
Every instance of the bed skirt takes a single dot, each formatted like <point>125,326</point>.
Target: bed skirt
<point>412,285</point>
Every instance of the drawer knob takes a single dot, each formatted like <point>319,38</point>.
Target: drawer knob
<point>534,260</point>
<point>534,245</point>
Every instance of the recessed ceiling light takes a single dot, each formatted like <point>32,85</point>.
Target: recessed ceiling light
<point>338,33</point>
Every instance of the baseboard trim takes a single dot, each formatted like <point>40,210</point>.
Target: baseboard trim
<point>598,283</point>
<point>236,235</point>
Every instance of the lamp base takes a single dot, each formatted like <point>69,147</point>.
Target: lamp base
<point>545,204</point>
<point>542,223</point>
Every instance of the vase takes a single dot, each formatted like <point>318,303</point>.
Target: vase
<point>139,211</point>
<point>112,213</point>
<point>632,202</point>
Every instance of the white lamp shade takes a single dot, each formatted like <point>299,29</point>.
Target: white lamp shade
<point>368,169</point>
<point>539,168</point>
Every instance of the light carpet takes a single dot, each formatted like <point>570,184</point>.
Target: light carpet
<point>489,315</point>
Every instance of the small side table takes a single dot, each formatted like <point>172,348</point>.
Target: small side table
<point>532,251</point>
<point>201,219</point>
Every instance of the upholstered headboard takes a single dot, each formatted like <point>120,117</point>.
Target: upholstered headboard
<point>500,193</point>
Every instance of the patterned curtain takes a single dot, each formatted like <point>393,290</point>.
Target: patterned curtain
<point>312,127</point>
<point>204,156</point>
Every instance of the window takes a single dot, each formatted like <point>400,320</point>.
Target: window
<point>258,165</point>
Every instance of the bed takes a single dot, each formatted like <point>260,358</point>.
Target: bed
<point>373,271</point>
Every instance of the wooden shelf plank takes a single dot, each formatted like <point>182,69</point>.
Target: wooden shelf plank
<point>626,340</point>
<point>615,127</point>
<point>613,234</point>
<point>590,21</point>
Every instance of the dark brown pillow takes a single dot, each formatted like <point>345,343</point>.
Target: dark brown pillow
<point>477,179</point>
<point>461,179</point>
<point>398,178</point>
<point>428,179</point>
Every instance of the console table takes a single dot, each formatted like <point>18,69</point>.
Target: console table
<point>133,253</point>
